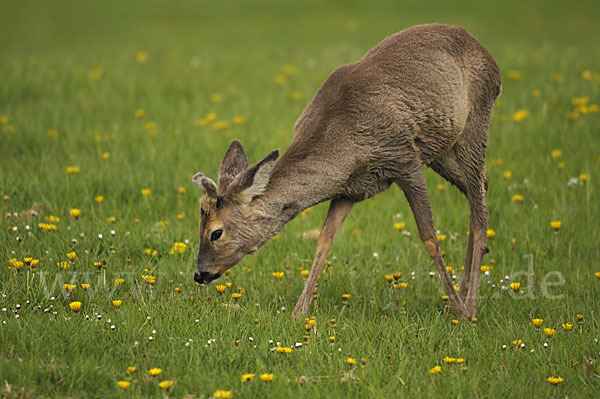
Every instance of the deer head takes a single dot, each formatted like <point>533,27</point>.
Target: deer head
<point>232,225</point>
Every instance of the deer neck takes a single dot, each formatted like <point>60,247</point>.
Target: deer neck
<point>297,183</point>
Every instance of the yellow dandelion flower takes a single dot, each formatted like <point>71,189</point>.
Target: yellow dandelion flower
<point>399,226</point>
<point>238,120</point>
<point>455,322</point>
<point>75,306</point>
<point>119,281</point>
<point>289,69</point>
<point>181,190</point>
<point>555,224</point>
<point>105,155</point>
<point>567,326</point>
<point>586,75</point>
<point>117,302</point>
<point>280,78</point>
<point>441,237</point>
<point>389,278</point>
<point>27,260</point>
<point>216,97</point>
<point>98,198</point>
<point>178,247</point>
<point>145,191</point>
<point>63,265</point>
<point>515,286</point>
<point>305,273</point>
<point>557,78</point>
<point>154,371</point>
<point>70,287</point>
<point>247,377</point>
<point>514,75</point>
<point>351,361</point>
<point>441,187</point>
<point>296,95</point>
<point>211,116</point>
<point>85,287</point>
<point>486,268</point>
<point>111,219</point>
<point>520,115</point>
<point>236,295</point>
<point>123,384</point>
<point>435,370</point>
<point>517,342</point>
<point>140,113</point>
<point>267,377</point>
<point>141,57</point>
<point>449,360</point>
<point>131,369</point>
<point>579,316</point>
<point>222,394</point>
<point>34,262</point>
<point>72,170</point>
<point>166,384</point>
<point>75,213</point>
<point>507,175</point>
<point>332,339</point>
<point>220,125</point>
<point>555,380</point>
<point>460,360</point>
<point>538,322</point>
<point>491,233</point>
<point>345,297</point>
<point>220,288</point>
<point>556,153</point>
<point>517,198</point>
<point>549,332</point>
<point>597,274</point>
<point>584,177</point>
<point>278,275</point>
<point>283,349</point>
<point>71,256</point>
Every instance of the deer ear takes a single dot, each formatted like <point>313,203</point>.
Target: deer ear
<point>234,162</point>
<point>205,184</point>
<point>255,179</point>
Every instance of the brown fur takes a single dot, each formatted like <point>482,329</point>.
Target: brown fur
<point>423,96</point>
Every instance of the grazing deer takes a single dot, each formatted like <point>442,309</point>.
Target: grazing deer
<point>423,96</point>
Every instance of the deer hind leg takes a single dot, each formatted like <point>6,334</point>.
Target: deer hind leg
<point>415,190</point>
<point>470,155</point>
<point>338,210</point>
<point>447,167</point>
<point>477,236</point>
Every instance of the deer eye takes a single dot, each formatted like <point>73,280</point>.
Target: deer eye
<point>215,235</point>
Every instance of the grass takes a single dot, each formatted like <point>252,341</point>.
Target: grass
<point>73,82</point>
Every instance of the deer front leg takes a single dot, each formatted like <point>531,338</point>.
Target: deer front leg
<point>338,210</point>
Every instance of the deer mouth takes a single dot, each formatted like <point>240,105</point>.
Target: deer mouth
<point>205,277</point>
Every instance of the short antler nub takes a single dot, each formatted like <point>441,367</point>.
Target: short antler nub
<point>205,184</point>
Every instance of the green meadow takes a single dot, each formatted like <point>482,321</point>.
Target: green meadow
<point>108,109</point>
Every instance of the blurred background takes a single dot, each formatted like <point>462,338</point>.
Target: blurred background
<point>195,74</point>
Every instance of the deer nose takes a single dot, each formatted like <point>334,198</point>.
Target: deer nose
<point>205,277</point>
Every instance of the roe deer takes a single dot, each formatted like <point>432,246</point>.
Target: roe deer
<point>423,96</point>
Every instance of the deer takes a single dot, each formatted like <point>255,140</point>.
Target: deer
<point>422,97</point>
